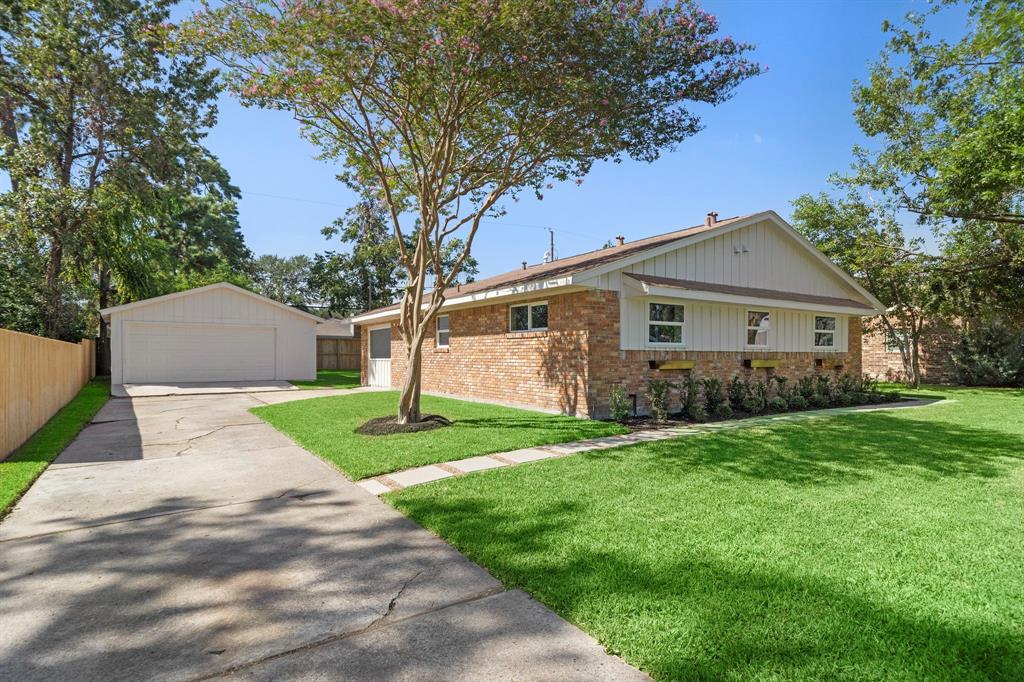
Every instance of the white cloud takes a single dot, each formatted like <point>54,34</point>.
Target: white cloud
<point>758,139</point>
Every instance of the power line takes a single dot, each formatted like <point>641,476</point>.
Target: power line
<point>560,230</point>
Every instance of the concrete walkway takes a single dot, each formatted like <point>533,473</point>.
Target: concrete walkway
<point>181,538</point>
<point>398,480</point>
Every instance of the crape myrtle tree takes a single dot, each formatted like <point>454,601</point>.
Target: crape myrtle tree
<point>444,107</point>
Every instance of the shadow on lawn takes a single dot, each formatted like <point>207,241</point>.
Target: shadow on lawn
<point>695,617</point>
<point>845,447</point>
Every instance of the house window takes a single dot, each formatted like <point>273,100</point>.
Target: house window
<point>894,340</point>
<point>824,331</point>
<point>665,323</point>
<point>759,323</point>
<point>443,331</point>
<point>528,317</point>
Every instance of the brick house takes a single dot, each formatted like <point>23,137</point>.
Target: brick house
<point>744,296</point>
<point>882,358</point>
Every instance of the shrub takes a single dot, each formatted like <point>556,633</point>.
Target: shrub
<point>824,386</point>
<point>618,404</point>
<point>778,404</point>
<point>867,384</point>
<point>781,388</point>
<point>723,411</point>
<point>690,395</point>
<point>806,386</point>
<point>657,399</point>
<point>752,405</point>
<point>843,399</point>
<point>819,401</point>
<point>697,413</point>
<point>989,354</point>
<point>713,396</point>
<point>761,390</point>
<point>892,396</point>
<point>739,391</point>
<point>847,384</point>
<point>861,398</point>
<point>797,402</point>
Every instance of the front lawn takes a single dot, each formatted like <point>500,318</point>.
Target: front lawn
<point>875,545</point>
<point>326,427</point>
<point>331,378</point>
<point>18,471</point>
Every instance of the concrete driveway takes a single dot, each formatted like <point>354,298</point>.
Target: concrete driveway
<point>181,538</point>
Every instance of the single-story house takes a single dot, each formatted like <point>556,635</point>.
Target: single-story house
<point>743,296</point>
<point>219,332</point>
<point>337,344</point>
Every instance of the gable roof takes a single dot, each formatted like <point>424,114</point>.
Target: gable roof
<point>592,263</point>
<point>106,312</point>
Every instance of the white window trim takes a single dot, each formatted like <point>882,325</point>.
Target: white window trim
<point>648,322</point>
<point>747,328</point>
<point>529,317</point>
<point>834,332</point>
<point>437,332</point>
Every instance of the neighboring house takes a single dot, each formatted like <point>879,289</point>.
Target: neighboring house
<point>883,360</point>
<point>337,344</point>
<point>746,296</point>
<point>218,332</point>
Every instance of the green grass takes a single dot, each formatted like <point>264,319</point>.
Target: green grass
<point>331,378</point>
<point>326,427</point>
<point>23,467</point>
<point>880,545</point>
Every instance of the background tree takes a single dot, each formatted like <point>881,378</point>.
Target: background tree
<point>441,108</point>
<point>284,279</point>
<point>869,243</point>
<point>96,116</point>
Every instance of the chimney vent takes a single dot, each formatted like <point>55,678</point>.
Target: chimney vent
<point>524,265</point>
<point>711,219</point>
<point>621,240</point>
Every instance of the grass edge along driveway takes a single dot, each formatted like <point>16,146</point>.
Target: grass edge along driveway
<point>19,471</point>
<point>873,545</point>
<point>326,427</point>
<point>330,378</point>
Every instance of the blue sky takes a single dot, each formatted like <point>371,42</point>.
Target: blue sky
<point>781,135</point>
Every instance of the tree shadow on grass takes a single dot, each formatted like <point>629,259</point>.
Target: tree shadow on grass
<point>693,615</point>
<point>840,449</point>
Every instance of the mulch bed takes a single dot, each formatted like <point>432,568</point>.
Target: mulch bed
<point>387,426</point>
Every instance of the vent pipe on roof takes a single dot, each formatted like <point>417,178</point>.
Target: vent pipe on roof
<point>524,265</point>
<point>711,219</point>
<point>621,240</point>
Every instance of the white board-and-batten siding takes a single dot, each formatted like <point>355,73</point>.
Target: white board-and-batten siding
<point>294,335</point>
<point>723,327</point>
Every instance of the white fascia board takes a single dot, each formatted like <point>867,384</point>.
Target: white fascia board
<point>585,275</point>
<point>526,289</point>
<point>735,299</point>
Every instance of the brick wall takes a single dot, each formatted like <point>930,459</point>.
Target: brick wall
<point>572,366</point>
<point>936,365</point>
<point>483,359</point>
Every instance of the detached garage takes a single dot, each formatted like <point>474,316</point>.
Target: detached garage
<point>218,332</point>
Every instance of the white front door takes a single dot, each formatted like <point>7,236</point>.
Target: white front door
<point>378,373</point>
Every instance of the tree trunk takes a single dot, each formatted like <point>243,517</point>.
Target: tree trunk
<point>915,357</point>
<point>104,297</point>
<point>53,293</point>
<point>409,402</point>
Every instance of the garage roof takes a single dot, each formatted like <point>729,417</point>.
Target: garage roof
<point>106,312</point>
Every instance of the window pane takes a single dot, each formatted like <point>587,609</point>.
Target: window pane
<point>520,318</point>
<point>757,319</point>
<point>824,339</point>
<point>442,323</point>
<point>442,338</point>
<point>540,316</point>
<point>665,333</point>
<point>380,343</point>
<point>665,312</point>
<point>825,323</point>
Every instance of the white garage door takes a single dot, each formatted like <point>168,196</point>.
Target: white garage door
<point>158,352</point>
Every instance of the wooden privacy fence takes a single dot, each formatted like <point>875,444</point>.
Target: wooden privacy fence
<point>337,353</point>
<point>38,376</point>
